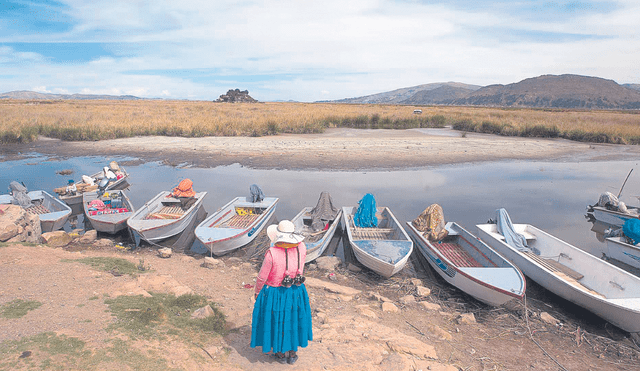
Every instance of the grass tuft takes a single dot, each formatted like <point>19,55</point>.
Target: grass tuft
<point>18,308</point>
<point>108,264</point>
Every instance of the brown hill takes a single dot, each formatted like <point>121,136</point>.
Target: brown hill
<point>25,94</point>
<point>429,92</point>
<point>442,95</point>
<point>563,91</point>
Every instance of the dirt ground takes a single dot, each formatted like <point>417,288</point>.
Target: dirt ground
<point>336,149</point>
<point>351,331</point>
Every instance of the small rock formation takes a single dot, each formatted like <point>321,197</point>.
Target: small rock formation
<point>328,263</point>
<point>408,299</point>
<point>430,306</point>
<point>467,318</point>
<point>212,263</point>
<point>17,225</point>
<point>203,312</point>
<point>164,252</point>
<point>56,238</point>
<point>389,307</point>
<point>236,96</point>
<point>546,317</point>
<point>88,237</point>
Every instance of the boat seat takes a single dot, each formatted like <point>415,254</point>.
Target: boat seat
<point>372,233</point>
<point>167,212</point>
<point>38,210</point>
<point>554,266</point>
<point>238,221</point>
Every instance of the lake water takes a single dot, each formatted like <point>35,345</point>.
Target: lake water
<point>551,195</point>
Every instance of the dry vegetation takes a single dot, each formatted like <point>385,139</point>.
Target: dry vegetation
<point>23,121</point>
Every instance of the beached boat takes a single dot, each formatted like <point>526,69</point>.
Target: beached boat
<point>74,200</point>
<point>470,265</point>
<point>619,249</point>
<point>235,224</point>
<point>573,274</point>
<point>384,249</point>
<point>162,217</point>
<point>52,212</point>
<point>113,217</point>
<point>316,242</point>
<point>613,217</point>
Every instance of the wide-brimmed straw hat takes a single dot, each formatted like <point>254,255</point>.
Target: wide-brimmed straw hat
<point>284,232</point>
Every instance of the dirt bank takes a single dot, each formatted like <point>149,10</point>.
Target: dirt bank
<point>336,149</point>
<point>351,329</point>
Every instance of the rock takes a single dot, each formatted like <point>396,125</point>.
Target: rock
<point>164,252</point>
<point>367,312</point>
<point>345,298</point>
<point>353,268</point>
<point>103,243</point>
<point>546,317</point>
<point>408,299</point>
<point>416,282</point>
<point>328,263</point>
<point>236,96</point>
<point>395,362</point>
<point>187,259</point>
<point>163,283</point>
<point>378,297</point>
<point>88,237</point>
<point>203,312</point>
<point>430,306</point>
<point>467,318</point>
<point>442,334</point>
<point>234,259</point>
<point>331,287</point>
<point>17,225</point>
<point>56,238</point>
<point>423,291</point>
<point>212,263</point>
<point>389,307</point>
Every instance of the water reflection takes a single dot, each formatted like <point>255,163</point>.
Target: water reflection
<point>550,195</point>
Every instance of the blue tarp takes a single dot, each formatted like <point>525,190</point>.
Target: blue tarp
<point>505,228</point>
<point>365,217</point>
<point>631,229</point>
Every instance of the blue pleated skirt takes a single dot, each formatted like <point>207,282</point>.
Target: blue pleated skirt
<point>281,319</point>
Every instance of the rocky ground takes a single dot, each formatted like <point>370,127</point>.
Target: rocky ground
<point>413,321</point>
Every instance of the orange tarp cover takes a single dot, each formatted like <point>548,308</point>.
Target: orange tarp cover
<point>184,189</point>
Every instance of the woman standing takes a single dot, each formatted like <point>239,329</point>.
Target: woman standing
<point>281,316</point>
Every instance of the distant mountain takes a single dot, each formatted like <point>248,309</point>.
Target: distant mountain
<point>401,96</point>
<point>632,86</point>
<point>551,91</point>
<point>25,94</point>
<point>444,94</point>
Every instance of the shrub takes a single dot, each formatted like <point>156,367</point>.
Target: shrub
<point>464,125</point>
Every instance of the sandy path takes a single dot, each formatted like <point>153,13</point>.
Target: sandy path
<point>336,149</point>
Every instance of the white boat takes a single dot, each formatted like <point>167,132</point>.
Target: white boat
<point>316,242</point>
<point>235,224</point>
<point>573,274</point>
<point>620,250</point>
<point>52,212</point>
<point>470,265</point>
<point>113,218</point>
<point>75,200</point>
<point>162,217</point>
<point>613,217</point>
<point>385,249</point>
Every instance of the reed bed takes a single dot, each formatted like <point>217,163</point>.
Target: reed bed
<point>23,121</point>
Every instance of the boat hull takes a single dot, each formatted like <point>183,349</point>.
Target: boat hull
<point>316,248</point>
<point>604,289</point>
<point>220,237</point>
<point>111,223</point>
<point>58,211</point>
<point>611,217</point>
<point>621,251</point>
<point>495,283</point>
<point>75,201</point>
<point>154,231</point>
<point>370,252</point>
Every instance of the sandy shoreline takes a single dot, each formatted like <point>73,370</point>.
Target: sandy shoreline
<point>336,149</point>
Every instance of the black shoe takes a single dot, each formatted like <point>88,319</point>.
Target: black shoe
<point>292,360</point>
<point>281,358</point>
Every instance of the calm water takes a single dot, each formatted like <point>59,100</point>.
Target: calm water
<point>552,196</point>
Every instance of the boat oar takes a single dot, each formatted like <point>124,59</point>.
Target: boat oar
<point>625,182</point>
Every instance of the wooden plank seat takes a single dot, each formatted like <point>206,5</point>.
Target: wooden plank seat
<point>456,254</point>
<point>239,221</point>
<point>38,210</point>
<point>167,212</point>
<point>372,233</point>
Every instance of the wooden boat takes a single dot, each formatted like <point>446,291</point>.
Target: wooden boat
<point>470,265</point>
<point>112,219</point>
<point>620,250</point>
<point>385,249</point>
<point>613,217</point>
<point>316,242</point>
<point>235,224</point>
<point>162,217</point>
<point>75,200</point>
<point>52,212</point>
<point>573,274</point>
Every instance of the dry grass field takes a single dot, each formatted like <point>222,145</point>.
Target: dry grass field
<point>22,121</point>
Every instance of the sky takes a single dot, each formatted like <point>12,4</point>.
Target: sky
<point>307,50</point>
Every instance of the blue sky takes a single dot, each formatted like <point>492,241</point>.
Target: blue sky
<point>307,51</point>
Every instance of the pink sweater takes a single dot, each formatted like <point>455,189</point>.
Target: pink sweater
<point>274,265</point>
